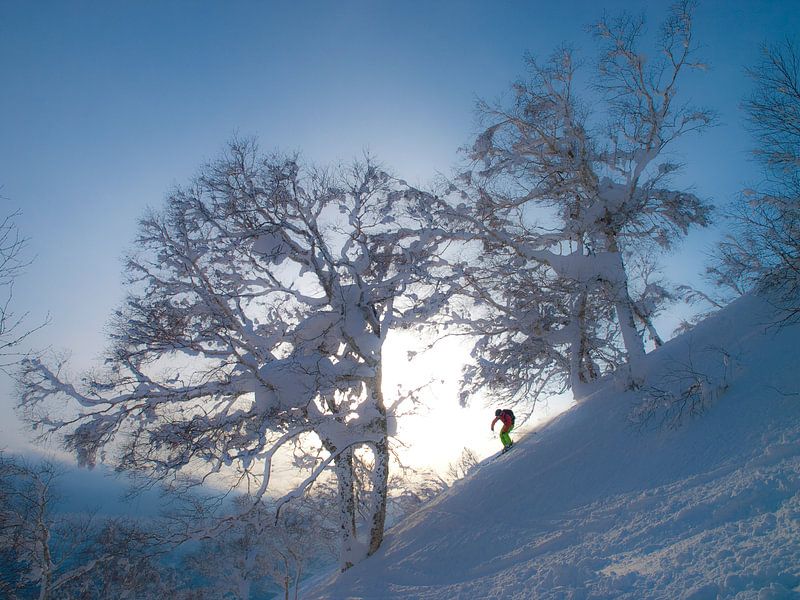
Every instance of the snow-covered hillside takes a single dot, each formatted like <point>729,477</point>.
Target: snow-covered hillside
<point>594,507</point>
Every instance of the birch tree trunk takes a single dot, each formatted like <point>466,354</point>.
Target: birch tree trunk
<point>347,508</point>
<point>46,580</point>
<point>380,474</point>
<point>623,306</point>
<point>578,346</point>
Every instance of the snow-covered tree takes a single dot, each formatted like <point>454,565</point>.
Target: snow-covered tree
<point>259,301</point>
<point>763,250</point>
<point>565,188</point>
<point>125,560</point>
<point>49,552</point>
<point>35,560</point>
<point>259,551</point>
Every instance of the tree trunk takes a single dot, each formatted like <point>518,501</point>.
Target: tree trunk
<point>581,367</point>
<point>380,473</point>
<point>588,370</point>
<point>380,482</point>
<point>297,576</point>
<point>347,509</point>
<point>630,336</point>
<point>46,581</point>
<point>623,305</point>
<point>575,350</point>
<point>651,329</point>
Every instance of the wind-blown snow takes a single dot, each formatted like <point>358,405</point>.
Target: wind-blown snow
<point>593,507</point>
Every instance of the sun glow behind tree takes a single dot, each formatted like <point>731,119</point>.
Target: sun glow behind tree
<point>432,433</point>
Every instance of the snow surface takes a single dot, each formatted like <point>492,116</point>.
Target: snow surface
<point>593,507</point>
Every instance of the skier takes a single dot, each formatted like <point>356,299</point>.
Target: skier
<point>506,416</point>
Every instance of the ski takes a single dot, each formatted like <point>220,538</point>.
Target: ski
<point>503,452</point>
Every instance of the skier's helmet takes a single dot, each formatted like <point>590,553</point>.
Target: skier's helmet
<point>498,412</point>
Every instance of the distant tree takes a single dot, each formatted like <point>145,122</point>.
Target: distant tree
<point>565,193</point>
<point>774,112</point>
<point>123,560</point>
<point>763,250</point>
<point>49,552</point>
<point>257,550</point>
<point>462,467</point>
<point>39,546</point>
<point>12,265</point>
<point>259,302</point>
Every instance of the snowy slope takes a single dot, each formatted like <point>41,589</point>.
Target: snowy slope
<point>592,507</point>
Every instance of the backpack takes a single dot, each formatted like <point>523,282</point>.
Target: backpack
<point>510,413</point>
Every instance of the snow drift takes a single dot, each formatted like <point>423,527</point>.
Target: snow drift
<point>602,503</point>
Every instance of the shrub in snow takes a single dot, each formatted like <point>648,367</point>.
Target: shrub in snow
<point>684,389</point>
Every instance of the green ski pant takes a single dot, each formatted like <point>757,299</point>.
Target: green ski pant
<point>505,438</point>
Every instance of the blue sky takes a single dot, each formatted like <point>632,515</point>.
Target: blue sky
<point>107,105</point>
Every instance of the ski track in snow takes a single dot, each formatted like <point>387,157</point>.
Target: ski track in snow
<point>592,507</point>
